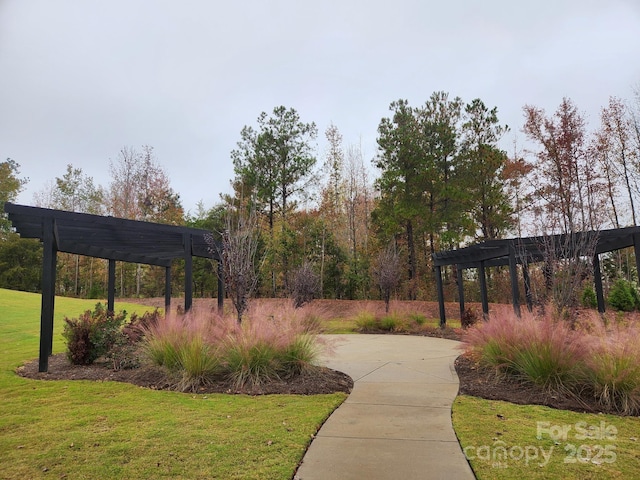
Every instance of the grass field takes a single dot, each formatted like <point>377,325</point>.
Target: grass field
<point>79,429</point>
<point>505,441</point>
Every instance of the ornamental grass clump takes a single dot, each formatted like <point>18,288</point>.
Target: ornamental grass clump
<point>270,345</point>
<point>391,323</point>
<point>299,355</point>
<point>589,358</point>
<point>198,347</point>
<point>539,350</point>
<point>164,341</point>
<point>198,363</point>
<point>492,343</point>
<point>249,362</point>
<point>366,322</point>
<point>187,346</point>
<point>611,371</point>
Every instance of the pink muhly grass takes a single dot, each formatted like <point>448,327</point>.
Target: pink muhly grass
<point>492,342</point>
<point>199,345</point>
<point>278,328</point>
<point>536,349</point>
<point>163,341</point>
<point>187,345</point>
<point>611,371</point>
<point>270,344</point>
<point>549,353</point>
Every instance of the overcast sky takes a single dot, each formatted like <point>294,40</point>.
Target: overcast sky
<point>80,79</point>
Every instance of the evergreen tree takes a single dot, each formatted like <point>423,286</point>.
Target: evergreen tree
<point>273,166</point>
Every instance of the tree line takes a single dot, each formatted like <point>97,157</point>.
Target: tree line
<point>443,180</point>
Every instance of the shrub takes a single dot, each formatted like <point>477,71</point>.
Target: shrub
<point>136,326</point>
<point>589,299</point>
<point>92,335</point>
<point>124,355</point>
<point>469,318</point>
<point>305,285</point>
<point>623,296</point>
<point>96,291</point>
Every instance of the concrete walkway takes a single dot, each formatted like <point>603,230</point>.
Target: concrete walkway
<point>396,424</point>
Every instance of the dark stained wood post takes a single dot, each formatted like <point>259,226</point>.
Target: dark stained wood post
<point>460,290</point>
<point>111,288</point>
<point>443,318</point>
<point>513,272</point>
<point>597,280</point>
<point>483,291</point>
<point>188,272</point>
<point>167,290</point>
<point>220,286</point>
<point>48,293</point>
<point>636,249</point>
<point>527,286</point>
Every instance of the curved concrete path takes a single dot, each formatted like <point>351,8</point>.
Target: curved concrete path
<point>396,424</point>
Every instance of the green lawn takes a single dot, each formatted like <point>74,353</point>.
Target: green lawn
<point>501,441</point>
<point>79,429</point>
<point>350,324</point>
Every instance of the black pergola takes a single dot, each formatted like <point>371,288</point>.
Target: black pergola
<point>527,250</point>
<point>114,239</point>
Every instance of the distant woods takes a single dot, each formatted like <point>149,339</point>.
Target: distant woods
<point>441,178</point>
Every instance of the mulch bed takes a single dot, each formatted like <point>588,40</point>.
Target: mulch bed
<point>316,380</point>
<point>485,383</point>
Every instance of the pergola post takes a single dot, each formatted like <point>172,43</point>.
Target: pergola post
<point>460,290</point>
<point>443,318</point>
<point>220,286</point>
<point>48,293</point>
<point>527,286</point>
<point>483,291</point>
<point>188,272</point>
<point>167,290</point>
<point>513,272</point>
<point>111,286</point>
<point>597,280</point>
<point>636,249</point>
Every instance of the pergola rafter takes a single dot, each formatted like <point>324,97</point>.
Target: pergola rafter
<point>113,239</point>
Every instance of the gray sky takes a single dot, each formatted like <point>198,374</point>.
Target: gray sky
<point>79,80</point>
